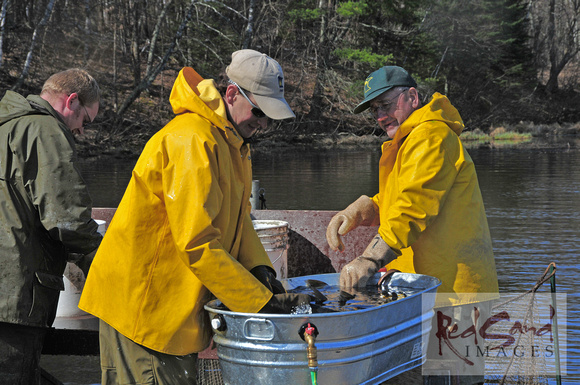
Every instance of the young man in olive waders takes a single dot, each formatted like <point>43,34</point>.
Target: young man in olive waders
<point>430,214</point>
<point>45,214</point>
<point>183,231</point>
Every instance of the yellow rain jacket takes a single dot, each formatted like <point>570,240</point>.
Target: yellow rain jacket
<point>182,230</point>
<point>429,201</point>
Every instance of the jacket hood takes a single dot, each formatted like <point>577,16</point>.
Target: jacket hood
<point>14,105</point>
<point>438,109</point>
<point>192,93</point>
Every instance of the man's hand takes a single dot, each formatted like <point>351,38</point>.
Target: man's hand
<point>267,276</point>
<point>285,303</point>
<point>357,272</point>
<point>361,212</point>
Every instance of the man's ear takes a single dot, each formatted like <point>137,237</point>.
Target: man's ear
<point>231,93</point>
<point>414,94</point>
<point>72,101</point>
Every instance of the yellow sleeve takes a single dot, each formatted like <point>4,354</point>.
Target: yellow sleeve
<point>194,200</point>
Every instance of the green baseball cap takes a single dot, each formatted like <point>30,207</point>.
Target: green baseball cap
<point>383,80</point>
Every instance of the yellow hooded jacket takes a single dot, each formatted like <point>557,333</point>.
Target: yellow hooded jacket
<point>182,230</point>
<point>429,201</point>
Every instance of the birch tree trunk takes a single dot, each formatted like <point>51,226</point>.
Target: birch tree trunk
<point>155,37</point>
<point>37,31</point>
<point>249,34</point>
<point>2,27</point>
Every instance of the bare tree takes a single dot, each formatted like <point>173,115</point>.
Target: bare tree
<point>133,21</point>
<point>155,70</point>
<point>2,27</point>
<point>249,34</point>
<point>564,44</point>
<point>39,28</point>
<point>87,29</point>
<point>555,32</point>
<point>322,55</point>
<point>155,37</point>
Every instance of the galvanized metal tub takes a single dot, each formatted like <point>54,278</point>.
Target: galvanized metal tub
<point>365,346</point>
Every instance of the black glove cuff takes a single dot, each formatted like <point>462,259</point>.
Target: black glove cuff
<point>263,269</point>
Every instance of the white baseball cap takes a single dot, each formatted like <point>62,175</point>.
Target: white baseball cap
<point>262,76</point>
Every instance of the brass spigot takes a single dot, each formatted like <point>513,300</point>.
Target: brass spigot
<point>308,333</point>
<point>311,351</point>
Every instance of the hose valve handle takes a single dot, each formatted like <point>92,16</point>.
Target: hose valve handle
<point>308,332</point>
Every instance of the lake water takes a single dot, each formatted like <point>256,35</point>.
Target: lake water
<point>531,195</point>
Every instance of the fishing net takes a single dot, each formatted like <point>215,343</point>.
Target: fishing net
<point>531,356</point>
<point>209,372</point>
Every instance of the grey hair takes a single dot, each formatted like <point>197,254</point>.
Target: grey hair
<point>403,89</point>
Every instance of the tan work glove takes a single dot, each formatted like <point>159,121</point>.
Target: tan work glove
<point>357,272</point>
<point>361,212</point>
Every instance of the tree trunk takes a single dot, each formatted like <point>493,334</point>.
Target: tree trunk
<point>323,21</point>
<point>87,30</point>
<point>562,38</point>
<point>322,56</point>
<point>2,27</point>
<point>249,34</point>
<point>552,84</point>
<point>134,50</point>
<point>155,37</point>
<point>37,31</point>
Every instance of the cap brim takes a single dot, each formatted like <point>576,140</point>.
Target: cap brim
<point>362,106</point>
<point>274,108</point>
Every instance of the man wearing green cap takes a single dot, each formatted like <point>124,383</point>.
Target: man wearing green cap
<point>429,207</point>
<point>182,233</point>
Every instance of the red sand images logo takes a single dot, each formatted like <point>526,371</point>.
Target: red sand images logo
<point>498,344</point>
<point>508,335</point>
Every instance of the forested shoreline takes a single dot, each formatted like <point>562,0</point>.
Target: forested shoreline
<point>509,64</point>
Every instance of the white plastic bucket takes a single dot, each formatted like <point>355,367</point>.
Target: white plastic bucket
<point>102,226</point>
<point>274,237</point>
<point>74,281</point>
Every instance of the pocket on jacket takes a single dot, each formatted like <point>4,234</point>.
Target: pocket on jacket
<point>46,290</point>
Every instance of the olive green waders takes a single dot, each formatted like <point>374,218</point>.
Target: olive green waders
<point>125,362</point>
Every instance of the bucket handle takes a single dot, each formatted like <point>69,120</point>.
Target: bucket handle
<point>280,256</point>
<point>258,329</point>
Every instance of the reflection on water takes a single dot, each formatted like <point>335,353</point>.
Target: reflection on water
<point>337,300</point>
<point>316,180</point>
<point>532,199</point>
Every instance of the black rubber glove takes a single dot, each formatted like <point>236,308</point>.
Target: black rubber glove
<point>285,303</point>
<point>85,261</point>
<point>267,276</point>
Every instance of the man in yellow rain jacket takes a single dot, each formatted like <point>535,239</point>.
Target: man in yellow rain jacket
<point>429,206</point>
<point>183,230</point>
